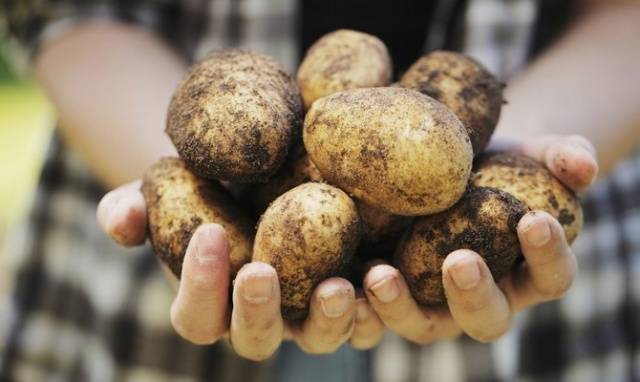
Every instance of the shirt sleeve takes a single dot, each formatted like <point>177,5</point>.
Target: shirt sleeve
<point>34,22</point>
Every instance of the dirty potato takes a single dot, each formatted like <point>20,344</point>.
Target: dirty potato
<point>178,202</point>
<point>484,220</point>
<point>531,183</point>
<point>341,60</point>
<point>296,170</point>
<point>235,116</point>
<point>308,234</point>
<point>464,86</point>
<point>393,148</point>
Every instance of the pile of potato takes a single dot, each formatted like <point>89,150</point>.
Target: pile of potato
<point>341,166</point>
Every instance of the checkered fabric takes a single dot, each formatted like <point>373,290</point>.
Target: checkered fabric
<point>84,309</point>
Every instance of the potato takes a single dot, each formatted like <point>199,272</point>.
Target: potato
<point>178,202</point>
<point>380,229</point>
<point>393,148</point>
<point>341,60</point>
<point>235,116</point>
<point>308,234</point>
<point>531,183</point>
<point>464,86</point>
<point>484,220</point>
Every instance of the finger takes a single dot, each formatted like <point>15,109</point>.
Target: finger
<point>550,266</point>
<point>122,214</point>
<point>256,323</point>
<point>331,317</point>
<point>368,329</point>
<point>571,159</point>
<point>389,296</point>
<point>199,312</point>
<point>475,301</point>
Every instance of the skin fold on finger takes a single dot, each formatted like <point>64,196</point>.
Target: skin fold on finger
<point>368,328</point>
<point>331,318</point>
<point>199,311</point>
<point>571,158</point>
<point>572,163</point>
<point>389,296</point>
<point>256,324</point>
<point>549,268</point>
<point>122,215</point>
<point>475,301</point>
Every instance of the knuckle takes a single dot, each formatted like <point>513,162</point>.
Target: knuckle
<point>555,290</point>
<point>200,285</point>
<point>582,141</point>
<point>395,312</point>
<point>489,336</point>
<point>197,334</point>
<point>257,353</point>
<point>474,304</point>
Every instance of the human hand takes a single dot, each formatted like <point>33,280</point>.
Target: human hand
<point>477,305</point>
<point>201,312</point>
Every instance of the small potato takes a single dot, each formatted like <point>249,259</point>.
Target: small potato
<point>235,116</point>
<point>532,184</point>
<point>380,229</point>
<point>484,220</point>
<point>341,60</point>
<point>464,86</point>
<point>308,234</point>
<point>393,148</point>
<point>178,202</point>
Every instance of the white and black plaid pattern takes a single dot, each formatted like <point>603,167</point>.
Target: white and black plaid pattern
<point>83,308</point>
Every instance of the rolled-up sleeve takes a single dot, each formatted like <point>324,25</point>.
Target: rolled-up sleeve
<point>34,22</point>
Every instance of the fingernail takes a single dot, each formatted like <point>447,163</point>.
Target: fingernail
<point>209,245</point>
<point>465,274</point>
<point>362,312</point>
<point>537,232</point>
<point>258,289</point>
<point>335,303</point>
<point>386,290</point>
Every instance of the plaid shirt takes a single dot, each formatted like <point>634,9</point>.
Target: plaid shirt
<point>84,309</point>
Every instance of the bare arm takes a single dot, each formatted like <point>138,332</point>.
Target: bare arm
<point>586,84</point>
<point>110,84</point>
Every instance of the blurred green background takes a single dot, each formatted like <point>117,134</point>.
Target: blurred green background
<point>26,123</point>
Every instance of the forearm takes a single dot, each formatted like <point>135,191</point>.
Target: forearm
<point>586,84</point>
<point>111,84</point>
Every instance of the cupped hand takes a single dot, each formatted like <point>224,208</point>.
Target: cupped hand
<point>201,311</point>
<point>477,305</point>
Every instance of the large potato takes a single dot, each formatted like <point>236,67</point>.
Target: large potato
<point>464,86</point>
<point>234,116</point>
<point>531,183</point>
<point>394,148</point>
<point>484,220</point>
<point>308,234</point>
<point>178,202</point>
<point>341,60</point>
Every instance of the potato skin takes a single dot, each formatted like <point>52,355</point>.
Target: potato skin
<point>340,60</point>
<point>531,183</point>
<point>308,234</point>
<point>393,148</point>
<point>461,83</point>
<point>484,220</point>
<point>235,116</point>
<point>296,170</point>
<point>178,202</point>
